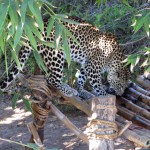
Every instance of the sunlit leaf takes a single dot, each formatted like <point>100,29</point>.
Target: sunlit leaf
<point>30,21</point>
<point>30,36</point>
<point>139,24</point>
<point>18,34</point>
<point>70,35</point>
<point>15,57</point>
<point>36,12</point>
<point>145,63</point>
<point>58,32</point>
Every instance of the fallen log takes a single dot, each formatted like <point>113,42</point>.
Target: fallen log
<point>34,82</point>
<point>139,96</point>
<point>137,119</point>
<point>131,106</point>
<point>145,83</point>
<point>102,128</point>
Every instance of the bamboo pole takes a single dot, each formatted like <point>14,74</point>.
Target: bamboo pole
<point>68,123</point>
<point>137,102</point>
<point>131,106</point>
<point>36,137</point>
<point>133,117</point>
<point>139,89</point>
<point>145,83</point>
<point>139,96</point>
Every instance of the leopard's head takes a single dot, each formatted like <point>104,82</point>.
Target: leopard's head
<point>118,80</point>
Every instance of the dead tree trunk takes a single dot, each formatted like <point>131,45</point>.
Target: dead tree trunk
<point>102,128</point>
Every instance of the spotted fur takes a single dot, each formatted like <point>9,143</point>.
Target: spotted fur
<point>96,52</point>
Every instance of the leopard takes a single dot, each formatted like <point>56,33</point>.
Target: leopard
<point>96,52</point>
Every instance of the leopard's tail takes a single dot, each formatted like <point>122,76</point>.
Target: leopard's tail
<point>14,71</point>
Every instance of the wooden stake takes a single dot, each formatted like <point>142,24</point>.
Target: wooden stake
<point>102,128</point>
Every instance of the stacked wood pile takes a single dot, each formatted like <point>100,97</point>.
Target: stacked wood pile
<point>134,106</point>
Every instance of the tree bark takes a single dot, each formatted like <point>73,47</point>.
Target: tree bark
<point>102,128</point>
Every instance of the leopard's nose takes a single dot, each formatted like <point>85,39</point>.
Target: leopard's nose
<point>111,91</point>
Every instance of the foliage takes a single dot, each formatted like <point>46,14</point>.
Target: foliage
<point>21,20</point>
<point>141,21</point>
<point>118,17</point>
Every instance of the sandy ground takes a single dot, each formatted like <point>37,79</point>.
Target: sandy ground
<point>13,127</point>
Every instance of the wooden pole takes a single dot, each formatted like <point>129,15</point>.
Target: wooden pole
<point>102,128</point>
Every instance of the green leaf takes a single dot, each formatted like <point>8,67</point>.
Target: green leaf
<point>50,25</point>
<point>13,13</point>
<point>139,24</point>
<point>146,25</point>
<point>33,28</point>
<point>66,47</point>
<point>33,146</point>
<point>70,35</point>
<point>2,44</point>
<point>30,36</point>
<point>6,63</point>
<point>39,61</point>
<point>148,69</point>
<point>126,2</point>
<point>27,104</point>
<point>14,100</point>
<point>4,6</point>
<point>58,32</point>
<point>37,13</point>
<point>23,10</point>
<point>15,57</point>
<point>18,34</point>
<point>47,2</point>
<point>99,2</point>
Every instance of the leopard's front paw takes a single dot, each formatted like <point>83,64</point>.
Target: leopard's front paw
<point>68,91</point>
<point>85,94</point>
<point>99,92</point>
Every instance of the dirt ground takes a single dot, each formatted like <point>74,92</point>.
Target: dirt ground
<point>13,127</point>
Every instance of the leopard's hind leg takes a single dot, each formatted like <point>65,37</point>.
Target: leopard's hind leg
<point>15,70</point>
